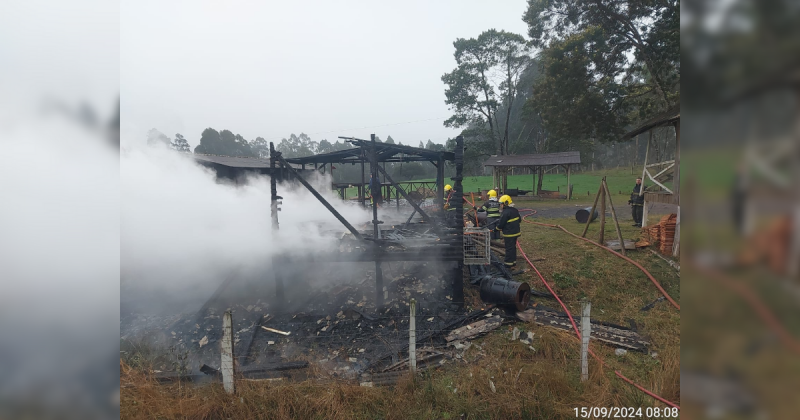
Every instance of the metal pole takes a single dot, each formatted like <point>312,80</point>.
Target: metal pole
<point>586,332</point>
<point>226,364</point>
<point>412,337</point>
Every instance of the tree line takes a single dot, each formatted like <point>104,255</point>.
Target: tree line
<point>225,143</point>
<point>588,71</point>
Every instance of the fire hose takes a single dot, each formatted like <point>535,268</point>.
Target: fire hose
<point>637,265</point>
<point>575,327</point>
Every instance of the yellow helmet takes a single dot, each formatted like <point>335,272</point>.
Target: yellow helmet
<point>448,187</point>
<point>505,200</point>
<point>492,193</point>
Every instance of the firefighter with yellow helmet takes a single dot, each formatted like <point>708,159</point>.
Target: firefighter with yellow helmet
<point>509,227</point>
<point>449,190</point>
<point>492,210</point>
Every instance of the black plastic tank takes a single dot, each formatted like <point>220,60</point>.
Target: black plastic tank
<point>582,215</point>
<point>509,293</point>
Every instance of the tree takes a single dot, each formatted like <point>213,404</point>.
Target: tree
<point>155,137</point>
<point>297,146</point>
<point>324,146</point>
<point>389,140</point>
<point>260,147</point>
<point>180,144</point>
<point>603,62</point>
<point>486,80</point>
<point>210,143</point>
<point>421,145</point>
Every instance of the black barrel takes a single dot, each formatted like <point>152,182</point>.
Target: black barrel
<point>508,293</point>
<point>582,215</point>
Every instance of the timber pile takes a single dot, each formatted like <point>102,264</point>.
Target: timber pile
<point>475,329</point>
<point>667,233</point>
<point>653,233</point>
<point>615,335</point>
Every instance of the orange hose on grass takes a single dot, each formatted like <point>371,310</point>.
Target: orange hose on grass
<point>575,327</point>
<point>637,265</point>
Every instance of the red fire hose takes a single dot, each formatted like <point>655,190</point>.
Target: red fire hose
<point>637,265</point>
<point>575,327</point>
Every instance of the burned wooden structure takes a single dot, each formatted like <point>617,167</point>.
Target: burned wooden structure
<point>501,164</point>
<point>446,246</point>
<point>237,168</point>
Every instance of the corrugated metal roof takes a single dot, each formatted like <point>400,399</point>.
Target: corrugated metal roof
<point>562,158</point>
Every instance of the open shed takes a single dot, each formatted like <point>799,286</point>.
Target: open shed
<point>501,164</point>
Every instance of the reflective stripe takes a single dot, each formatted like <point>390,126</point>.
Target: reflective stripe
<point>511,235</point>
<point>493,215</point>
<point>513,220</point>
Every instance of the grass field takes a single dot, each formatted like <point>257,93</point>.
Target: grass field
<point>539,383</point>
<point>620,181</point>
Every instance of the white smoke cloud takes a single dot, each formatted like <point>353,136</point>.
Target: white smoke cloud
<point>182,232</point>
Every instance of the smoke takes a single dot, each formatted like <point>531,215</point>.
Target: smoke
<point>182,232</point>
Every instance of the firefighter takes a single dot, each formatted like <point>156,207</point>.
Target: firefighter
<point>449,190</point>
<point>492,209</point>
<point>509,227</point>
<point>637,203</point>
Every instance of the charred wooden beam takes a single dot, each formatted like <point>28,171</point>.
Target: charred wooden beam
<point>319,197</point>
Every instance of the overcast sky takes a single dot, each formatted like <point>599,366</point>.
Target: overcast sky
<point>269,69</point>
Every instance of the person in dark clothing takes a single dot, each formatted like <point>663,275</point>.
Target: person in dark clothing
<point>453,218</point>
<point>492,209</point>
<point>637,203</point>
<point>509,226</point>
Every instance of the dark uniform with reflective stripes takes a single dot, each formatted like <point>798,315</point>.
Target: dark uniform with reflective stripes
<point>492,209</point>
<point>637,205</point>
<point>450,211</point>
<point>509,225</point>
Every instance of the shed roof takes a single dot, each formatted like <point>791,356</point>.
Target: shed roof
<point>386,153</point>
<point>561,158</point>
<point>240,162</point>
<point>667,117</point>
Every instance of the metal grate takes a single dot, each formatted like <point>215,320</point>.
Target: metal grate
<point>476,246</point>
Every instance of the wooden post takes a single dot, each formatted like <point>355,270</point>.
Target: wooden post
<point>644,167</point>
<point>569,190</point>
<point>614,216</point>
<point>586,332</point>
<point>412,337</point>
<point>226,365</point>
<point>361,192</point>
<point>594,207</point>
<point>676,189</point>
<point>676,242</point>
<point>644,211</point>
<point>602,212</point>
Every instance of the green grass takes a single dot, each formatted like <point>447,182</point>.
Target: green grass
<point>620,181</point>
